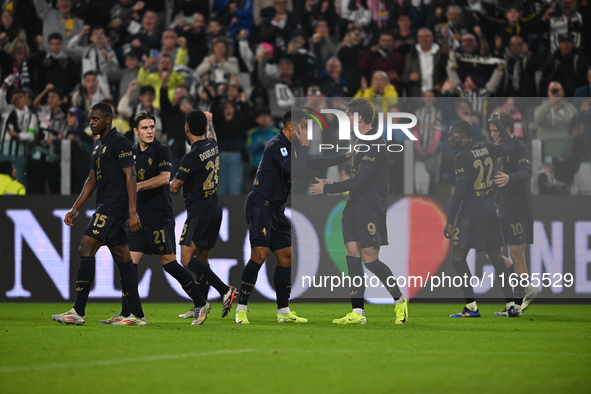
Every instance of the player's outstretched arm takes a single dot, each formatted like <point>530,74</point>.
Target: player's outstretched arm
<point>355,182</point>
<point>210,131</point>
<point>87,190</point>
<point>161,179</point>
<point>324,162</point>
<point>131,184</point>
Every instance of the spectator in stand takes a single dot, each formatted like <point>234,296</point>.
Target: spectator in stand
<point>19,126</point>
<point>10,30</point>
<point>384,57</point>
<point>404,35</point>
<point>547,183</point>
<point>262,9</point>
<point>173,120</point>
<point>584,92</point>
<point>258,137</point>
<point>384,92</point>
<point>185,13</point>
<point>331,83</point>
<point>567,66</point>
<point>449,29</point>
<point>564,22</point>
<point>237,16</point>
<point>310,12</point>
<point>471,58</point>
<point>44,163</point>
<point>178,54</point>
<point>428,132</point>
<point>57,68</point>
<point>196,36</point>
<point>144,37</point>
<point>125,76</point>
<point>90,93</point>
<point>323,45</point>
<point>231,132</point>
<point>156,79</point>
<point>349,53</point>
<point>424,66</point>
<point>116,29</point>
<point>219,66</point>
<point>9,186</point>
<point>514,24</point>
<point>520,69</point>
<point>120,123</point>
<point>216,30</point>
<point>281,89</point>
<point>554,119</point>
<point>304,61</point>
<point>58,20</point>
<point>19,60</point>
<point>96,56</point>
<point>82,142</point>
<point>279,29</point>
<point>147,95</point>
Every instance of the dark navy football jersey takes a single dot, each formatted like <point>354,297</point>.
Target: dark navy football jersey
<point>199,172</point>
<point>474,164</point>
<point>272,182</point>
<point>374,156</point>
<point>514,198</point>
<point>154,206</point>
<point>109,158</point>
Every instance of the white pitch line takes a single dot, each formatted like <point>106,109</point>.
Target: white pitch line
<point>99,363</point>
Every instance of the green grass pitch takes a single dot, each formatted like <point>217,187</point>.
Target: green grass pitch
<point>548,350</point>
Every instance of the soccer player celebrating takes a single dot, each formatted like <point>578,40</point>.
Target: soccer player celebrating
<point>113,176</point>
<point>364,217</point>
<point>264,209</point>
<point>515,210</point>
<point>153,164</point>
<point>198,176</point>
<point>477,225</point>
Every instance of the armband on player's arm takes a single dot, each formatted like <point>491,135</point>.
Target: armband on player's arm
<point>355,182</point>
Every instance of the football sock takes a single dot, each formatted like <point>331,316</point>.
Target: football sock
<point>282,281</point>
<point>357,290</point>
<point>201,269</point>
<point>84,280</point>
<point>283,311</point>
<point>462,269</point>
<point>241,308</point>
<point>472,306</point>
<point>501,270</point>
<point>125,311</point>
<point>384,273</point>
<point>359,311</point>
<point>185,278</point>
<point>249,279</point>
<point>129,286</point>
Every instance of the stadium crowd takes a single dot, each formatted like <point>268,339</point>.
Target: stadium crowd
<point>243,60</point>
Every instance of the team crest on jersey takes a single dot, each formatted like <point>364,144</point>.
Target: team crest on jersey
<point>141,174</point>
<point>150,161</point>
<point>284,152</point>
<point>98,163</point>
<point>264,230</point>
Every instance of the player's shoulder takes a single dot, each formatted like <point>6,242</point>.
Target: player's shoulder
<point>160,146</point>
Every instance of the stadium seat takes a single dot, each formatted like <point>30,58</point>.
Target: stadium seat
<point>582,180</point>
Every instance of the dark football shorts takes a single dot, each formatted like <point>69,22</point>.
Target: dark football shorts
<point>364,225</point>
<point>110,230</point>
<point>202,230</point>
<point>155,239</point>
<point>267,229</point>
<point>517,231</point>
<point>479,232</point>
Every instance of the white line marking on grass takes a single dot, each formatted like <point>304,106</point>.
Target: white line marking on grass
<point>100,363</point>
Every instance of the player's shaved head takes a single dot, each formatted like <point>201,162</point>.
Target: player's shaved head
<point>103,108</point>
<point>461,126</point>
<point>293,115</point>
<point>196,121</point>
